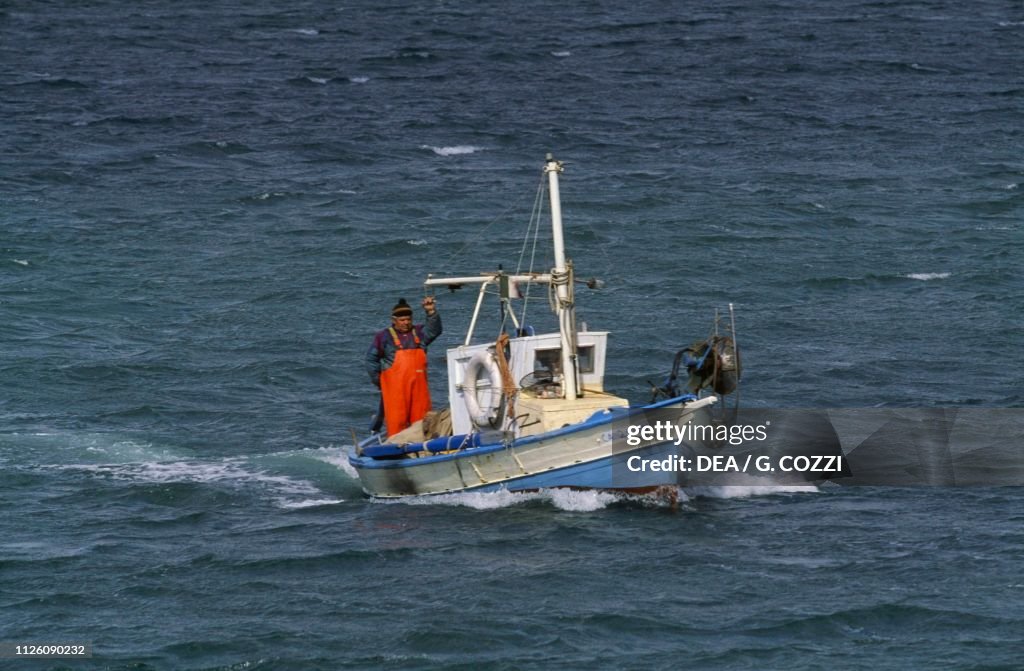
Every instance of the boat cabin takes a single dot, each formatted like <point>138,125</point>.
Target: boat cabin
<point>530,368</point>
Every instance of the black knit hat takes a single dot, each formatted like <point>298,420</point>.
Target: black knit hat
<point>402,309</point>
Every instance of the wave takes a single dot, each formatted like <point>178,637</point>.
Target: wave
<point>215,148</point>
<point>879,619</point>
<point>284,491</point>
<point>142,120</point>
<point>55,449</point>
<point>457,150</point>
<point>591,500</point>
<point>309,80</point>
<point>563,499</point>
<point>337,458</point>
<point>47,81</point>
<point>747,491</point>
<point>310,503</point>
<point>230,470</point>
<point>393,247</point>
<point>293,479</point>
<point>268,196</point>
<point>872,278</point>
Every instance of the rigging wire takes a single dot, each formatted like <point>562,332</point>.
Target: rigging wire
<point>535,215</point>
<point>534,226</point>
<point>532,230</point>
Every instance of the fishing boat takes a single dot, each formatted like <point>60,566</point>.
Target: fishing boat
<point>530,411</point>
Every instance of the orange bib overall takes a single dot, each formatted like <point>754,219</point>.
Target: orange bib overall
<point>404,387</point>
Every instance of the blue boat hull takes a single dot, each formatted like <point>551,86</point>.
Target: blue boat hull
<point>589,455</point>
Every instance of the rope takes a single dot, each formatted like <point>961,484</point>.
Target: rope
<point>557,279</point>
<point>508,384</point>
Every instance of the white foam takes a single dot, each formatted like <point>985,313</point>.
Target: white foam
<point>228,470</point>
<point>144,463</point>
<point>20,262</point>
<point>305,31</point>
<point>338,458</point>
<point>456,150</point>
<point>359,80</point>
<point>927,276</point>
<point>416,243</point>
<point>563,499</point>
<point>285,491</point>
<point>583,501</point>
<point>476,500</point>
<point>309,503</point>
<point>561,54</point>
<point>102,448</point>
<point>318,80</point>
<point>746,491</point>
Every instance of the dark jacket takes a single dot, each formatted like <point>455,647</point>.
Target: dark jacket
<point>381,354</point>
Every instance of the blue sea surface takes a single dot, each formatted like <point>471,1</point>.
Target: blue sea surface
<point>207,209</point>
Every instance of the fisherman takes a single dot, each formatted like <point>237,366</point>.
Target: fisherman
<point>397,364</point>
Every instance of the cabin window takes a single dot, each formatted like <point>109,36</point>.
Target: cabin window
<point>551,359</point>
<point>585,358</point>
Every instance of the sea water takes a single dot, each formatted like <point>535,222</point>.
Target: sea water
<point>207,209</point>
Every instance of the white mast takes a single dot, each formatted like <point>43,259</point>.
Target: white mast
<point>561,277</point>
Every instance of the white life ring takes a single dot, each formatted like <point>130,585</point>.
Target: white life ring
<point>482,363</point>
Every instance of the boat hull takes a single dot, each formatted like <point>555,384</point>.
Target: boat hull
<point>590,455</point>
